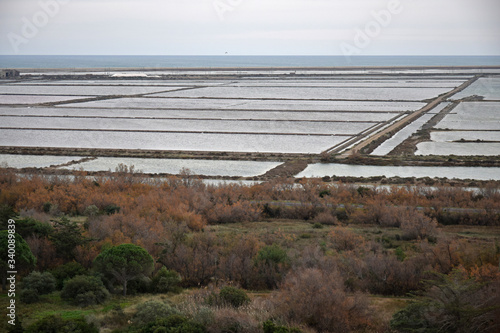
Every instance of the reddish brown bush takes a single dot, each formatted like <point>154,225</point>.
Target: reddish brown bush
<point>318,300</point>
<point>343,239</point>
<point>416,225</point>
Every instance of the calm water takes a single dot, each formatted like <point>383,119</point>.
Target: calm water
<point>54,61</point>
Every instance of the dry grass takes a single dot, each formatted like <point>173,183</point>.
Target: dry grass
<point>384,307</point>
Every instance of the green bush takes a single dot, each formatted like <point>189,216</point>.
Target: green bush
<point>234,296</point>
<point>84,290</point>
<point>451,303</point>
<point>150,311</point>
<point>173,324</point>
<point>272,254</point>
<point>111,209</point>
<point>6,212</point>
<point>46,207</point>
<point>67,271</point>
<point>29,226</point>
<point>91,211</point>
<point>231,296</point>
<point>166,281</point>
<point>29,296</point>
<point>139,286</point>
<point>42,283</point>
<point>55,324</point>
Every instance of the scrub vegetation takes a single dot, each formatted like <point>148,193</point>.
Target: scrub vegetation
<point>131,254</point>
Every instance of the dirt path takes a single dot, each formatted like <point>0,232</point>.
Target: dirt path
<point>406,120</point>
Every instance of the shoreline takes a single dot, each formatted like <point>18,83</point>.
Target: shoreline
<point>249,68</point>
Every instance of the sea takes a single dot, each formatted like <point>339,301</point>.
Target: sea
<point>230,61</point>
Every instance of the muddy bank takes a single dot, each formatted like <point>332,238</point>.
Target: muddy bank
<point>139,153</point>
<point>356,181</point>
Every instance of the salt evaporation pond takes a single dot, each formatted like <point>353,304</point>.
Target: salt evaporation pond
<point>173,166</point>
<point>198,114</point>
<point>475,111</point>
<point>458,123</point>
<point>347,84</point>
<point>387,146</point>
<point>114,82</point>
<point>474,116</point>
<point>81,90</point>
<point>458,148</point>
<point>488,87</point>
<point>449,136</point>
<point>245,104</point>
<point>343,170</point>
<point>188,125</point>
<point>314,144</point>
<point>310,93</point>
<point>34,161</point>
<point>439,108</point>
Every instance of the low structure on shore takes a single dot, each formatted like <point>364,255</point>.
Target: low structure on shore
<point>8,73</point>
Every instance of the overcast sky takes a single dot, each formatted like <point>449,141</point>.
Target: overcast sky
<point>250,27</point>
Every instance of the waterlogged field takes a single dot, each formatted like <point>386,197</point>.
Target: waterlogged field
<point>171,166</point>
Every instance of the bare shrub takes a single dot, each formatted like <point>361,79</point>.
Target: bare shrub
<point>344,239</point>
<point>326,218</point>
<point>418,226</point>
<point>318,299</point>
<point>247,318</point>
<point>233,213</point>
<point>233,320</point>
